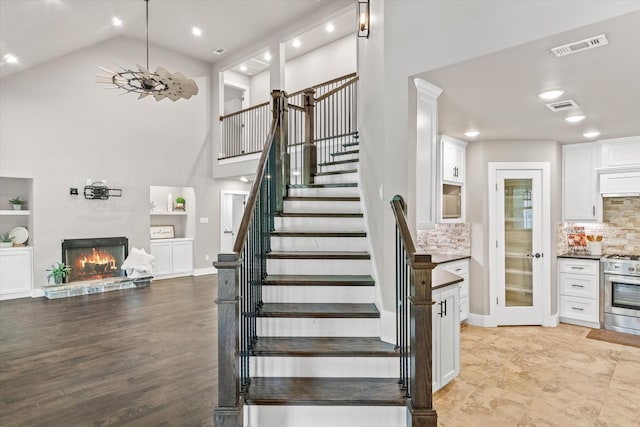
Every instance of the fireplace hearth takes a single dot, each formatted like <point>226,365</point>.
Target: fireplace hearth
<point>95,258</point>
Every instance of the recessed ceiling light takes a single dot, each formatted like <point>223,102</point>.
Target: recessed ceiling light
<point>244,179</point>
<point>10,59</point>
<point>472,133</point>
<point>267,56</point>
<point>591,134</point>
<point>551,94</point>
<point>116,22</point>
<point>196,31</point>
<point>329,27</point>
<point>575,118</point>
<point>296,43</point>
<point>243,68</point>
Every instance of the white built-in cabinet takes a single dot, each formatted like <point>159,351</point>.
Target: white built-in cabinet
<point>450,205</point>
<point>16,267</point>
<point>445,335</point>
<point>621,152</point>
<point>579,284</point>
<point>460,268</point>
<point>173,257</point>
<point>581,200</point>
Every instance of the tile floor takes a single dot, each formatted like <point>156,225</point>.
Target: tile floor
<point>534,376</point>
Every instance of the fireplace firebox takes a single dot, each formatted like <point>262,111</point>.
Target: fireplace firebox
<point>92,259</point>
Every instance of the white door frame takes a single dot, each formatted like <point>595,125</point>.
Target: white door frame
<point>544,167</point>
<point>223,206</point>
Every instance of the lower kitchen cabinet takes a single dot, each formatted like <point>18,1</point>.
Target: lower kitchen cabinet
<point>446,335</point>
<point>173,257</point>
<point>16,278</point>
<point>579,283</point>
<point>460,268</point>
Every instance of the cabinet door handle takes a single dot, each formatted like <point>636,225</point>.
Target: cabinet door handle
<point>577,308</point>
<point>577,268</point>
<point>445,307</point>
<point>577,286</point>
<point>441,311</point>
<point>594,210</point>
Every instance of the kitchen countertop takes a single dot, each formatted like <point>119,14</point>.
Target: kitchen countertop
<point>581,256</point>
<point>442,278</point>
<point>443,258</point>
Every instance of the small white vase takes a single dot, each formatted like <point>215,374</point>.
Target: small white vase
<point>17,207</point>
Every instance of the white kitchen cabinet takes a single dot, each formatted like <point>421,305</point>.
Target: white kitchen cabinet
<point>460,268</point>
<point>445,335</point>
<point>581,199</point>
<point>173,257</point>
<point>16,278</point>
<point>450,205</point>
<point>452,158</point>
<point>621,152</point>
<point>579,284</point>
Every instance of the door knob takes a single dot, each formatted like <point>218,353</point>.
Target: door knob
<point>536,255</point>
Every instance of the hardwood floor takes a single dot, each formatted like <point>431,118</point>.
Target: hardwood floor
<point>139,357</point>
<point>147,357</point>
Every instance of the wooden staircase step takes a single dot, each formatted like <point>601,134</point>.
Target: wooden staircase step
<point>345,153</point>
<point>322,198</point>
<point>332,185</point>
<point>318,255</point>
<point>324,347</point>
<point>318,280</point>
<point>351,144</point>
<point>319,215</point>
<point>284,233</point>
<point>319,310</point>
<point>339,162</point>
<point>325,391</point>
<point>336,172</point>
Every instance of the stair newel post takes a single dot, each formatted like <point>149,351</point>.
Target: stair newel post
<point>309,149</point>
<point>421,412</point>
<point>228,412</point>
<point>283,174</point>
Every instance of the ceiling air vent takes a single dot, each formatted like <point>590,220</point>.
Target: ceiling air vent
<point>569,104</point>
<point>579,46</point>
<point>219,51</point>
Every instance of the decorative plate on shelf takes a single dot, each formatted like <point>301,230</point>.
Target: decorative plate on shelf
<point>19,235</point>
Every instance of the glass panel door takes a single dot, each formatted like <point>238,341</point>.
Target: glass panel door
<point>518,227</point>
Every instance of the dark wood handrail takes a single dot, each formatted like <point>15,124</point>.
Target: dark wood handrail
<point>414,258</point>
<point>264,104</point>
<point>337,79</point>
<point>337,89</point>
<point>255,188</point>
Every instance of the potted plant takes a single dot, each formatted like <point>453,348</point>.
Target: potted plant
<point>6,241</point>
<point>17,203</point>
<point>180,203</point>
<point>58,272</point>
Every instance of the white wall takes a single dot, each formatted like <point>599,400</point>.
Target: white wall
<point>411,37</point>
<point>59,127</point>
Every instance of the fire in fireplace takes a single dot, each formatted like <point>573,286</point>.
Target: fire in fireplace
<point>92,259</point>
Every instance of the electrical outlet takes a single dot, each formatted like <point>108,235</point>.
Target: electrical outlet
<point>204,220</point>
<point>206,257</point>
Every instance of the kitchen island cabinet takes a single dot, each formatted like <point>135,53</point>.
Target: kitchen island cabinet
<point>446,335</point>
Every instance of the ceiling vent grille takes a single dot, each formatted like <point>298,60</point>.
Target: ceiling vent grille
<point>579,46</point>
<point>219,51</point>
<point>567,105</point>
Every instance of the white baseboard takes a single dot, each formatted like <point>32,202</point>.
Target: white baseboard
<point>205,271</point>
<point>481,320</point>
<point>37,293</point>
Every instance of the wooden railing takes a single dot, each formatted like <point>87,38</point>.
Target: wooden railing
<point>414,321</point>
<point>245,131</point>
<point>241,272</point>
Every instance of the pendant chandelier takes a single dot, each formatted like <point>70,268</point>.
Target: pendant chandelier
<point>160,84</point>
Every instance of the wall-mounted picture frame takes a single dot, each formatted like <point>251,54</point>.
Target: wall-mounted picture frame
<point>162,232</point>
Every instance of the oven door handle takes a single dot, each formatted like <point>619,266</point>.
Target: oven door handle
<point>625,280</point>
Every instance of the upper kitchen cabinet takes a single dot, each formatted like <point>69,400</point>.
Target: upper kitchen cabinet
<point>581,201</point>
<point>621,152</point>
<point>450,187</point>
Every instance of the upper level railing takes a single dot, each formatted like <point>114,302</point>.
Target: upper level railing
<point>413,317</point>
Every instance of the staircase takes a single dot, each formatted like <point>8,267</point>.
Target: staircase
<point>318,360</point>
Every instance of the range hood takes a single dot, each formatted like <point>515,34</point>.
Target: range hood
<point>619,182</point>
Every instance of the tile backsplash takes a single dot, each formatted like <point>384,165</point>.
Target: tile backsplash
<point>620,229</point>
<point>452,239</point>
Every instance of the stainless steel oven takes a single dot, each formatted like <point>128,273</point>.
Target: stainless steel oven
<point>621,302</point>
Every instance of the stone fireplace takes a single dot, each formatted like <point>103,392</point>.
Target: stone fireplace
<point>94,259</point>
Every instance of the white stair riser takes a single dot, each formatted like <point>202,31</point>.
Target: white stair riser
<point>379,367</point>
<point>339,167</point>
<point>317,327</point>
<point>337,178</point>
<point>312,206</point>
<point>319,224</point>
<point>315,294</point>
<point>324,192</point>
<point>319,243</point>
<point>324,416</point>
<point>350,156</point>
<point>319,266</point>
